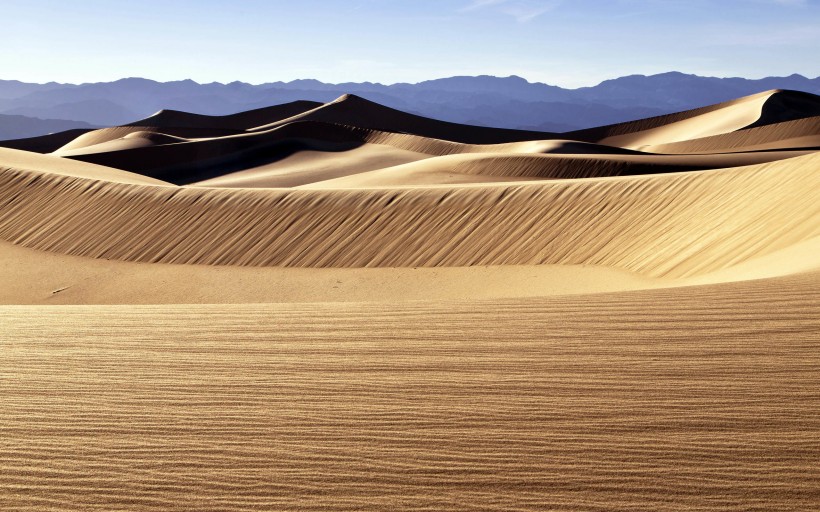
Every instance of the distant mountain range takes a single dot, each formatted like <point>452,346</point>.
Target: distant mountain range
<point>506,102</point>
<point>16,126</point>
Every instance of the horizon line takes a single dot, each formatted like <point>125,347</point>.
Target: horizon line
<point>800,75</point>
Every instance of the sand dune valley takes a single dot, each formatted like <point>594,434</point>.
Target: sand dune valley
<point>342,306</point>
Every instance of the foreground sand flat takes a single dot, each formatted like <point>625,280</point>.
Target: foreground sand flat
<point>346,307</point>
<point>699,398</point>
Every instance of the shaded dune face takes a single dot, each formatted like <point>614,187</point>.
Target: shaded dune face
<point>354,184</point>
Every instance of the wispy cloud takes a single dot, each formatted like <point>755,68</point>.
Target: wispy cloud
<point>522,11</point>
<point>478,4</point>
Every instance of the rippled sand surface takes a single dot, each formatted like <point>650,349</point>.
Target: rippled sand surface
<point>702,398</point>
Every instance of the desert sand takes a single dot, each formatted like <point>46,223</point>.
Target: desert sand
<point>343,307</point>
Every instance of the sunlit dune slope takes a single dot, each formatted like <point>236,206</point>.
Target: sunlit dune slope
<point>43,277</point>
<point>673,224</point>
<point>802,133</point>
<point>747,112</point>
<point>502,167</point>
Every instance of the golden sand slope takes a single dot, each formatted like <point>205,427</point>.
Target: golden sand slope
<point>734,116</point>
<point>802,133</point>
<point>501,167</point>
<point>645,401</point>
<point>40,277</point>
<point>673,224</point>
<point>743,113</point>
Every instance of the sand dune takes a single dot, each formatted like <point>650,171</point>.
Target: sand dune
<point>187,161</point>
<point>43,277</point>
<point>351,136</point>
<point>240,121</point>
<point>308,166</point>
<point>216,157</point>
<point>184,124</point>
<point>748,112</point>
<point>499,167</point>
<point>357,111</point>
<point>44,143</point>
<point>731,117</point>
<point>373,198</point>
<point>802,133</point>
<point>50,166</point>
<point>621,318</point>
<point>644,224</point>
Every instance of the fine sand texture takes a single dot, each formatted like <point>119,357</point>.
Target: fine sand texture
<point>699,398</point>
<point>343,306</point>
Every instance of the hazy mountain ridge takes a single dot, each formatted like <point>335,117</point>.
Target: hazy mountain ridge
<point>509,102</point>
<point>17,126</point>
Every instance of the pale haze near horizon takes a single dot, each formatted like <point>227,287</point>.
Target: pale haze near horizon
<point>561,42</point>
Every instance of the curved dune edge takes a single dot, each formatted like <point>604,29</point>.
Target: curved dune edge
<point>38,164</point>
<point>40,277</point>
<point>314,165</point>
<point>45,143</point>
<point>639,127</point>
<point>174,123</point>
<point>673,225</point>
<point>350,109</point>
<point>802,133</point>
<point>731,117</point>
<point>346,110</point>
<point>768,107</point>
<point>238,121</point>
<point>187,161</point>
<point>503,167</point>
<point>304,153</point>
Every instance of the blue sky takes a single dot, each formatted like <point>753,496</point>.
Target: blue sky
<point>571,43</point>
